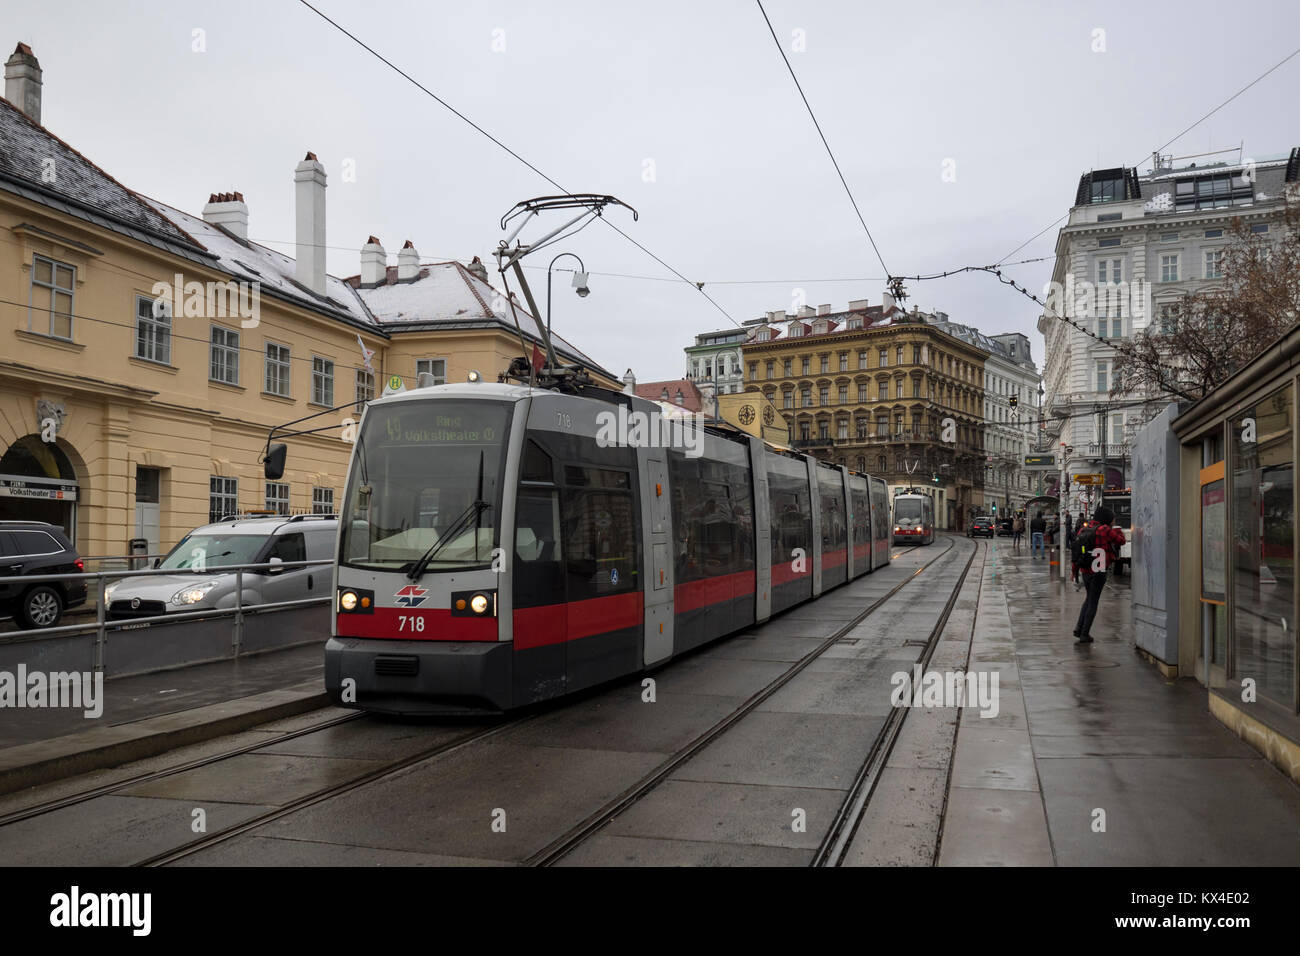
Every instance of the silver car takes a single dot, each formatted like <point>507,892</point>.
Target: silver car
<point>203,560</point>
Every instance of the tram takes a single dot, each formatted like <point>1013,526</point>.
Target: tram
<point>913,518</point>
<point>497,549</point>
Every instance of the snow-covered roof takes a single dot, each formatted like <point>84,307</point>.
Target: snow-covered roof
<point>37,165</point>
<point>251,262</point>
<point>447,295</point>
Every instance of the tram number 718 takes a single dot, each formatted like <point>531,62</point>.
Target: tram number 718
<point>410,622</point>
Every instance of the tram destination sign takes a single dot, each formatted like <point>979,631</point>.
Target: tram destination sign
<point>1040,462</point>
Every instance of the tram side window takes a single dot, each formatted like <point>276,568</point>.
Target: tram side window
<point>536,464</point>
<point>599,533</point>
<point>539,573</point>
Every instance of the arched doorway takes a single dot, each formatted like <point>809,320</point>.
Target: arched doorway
<point>38,482</point>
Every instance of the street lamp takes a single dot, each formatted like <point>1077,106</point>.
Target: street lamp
<point>579,284</point>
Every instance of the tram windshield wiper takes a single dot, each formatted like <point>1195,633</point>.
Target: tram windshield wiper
<point>475,510</point>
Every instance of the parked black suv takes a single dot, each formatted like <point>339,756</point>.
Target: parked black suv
<point>34,547</point>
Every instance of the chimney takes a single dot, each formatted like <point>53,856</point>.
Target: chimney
<point>857,305</point>
<point>374,263</point>
<point>629,382</point>
<point>229,211</point>
<point>778,315</point>
<point>309,211</point>
<point>806,312</point>
<point>886,303</point>
<point>478,270</point>
<point>23,82</point>
<point>408,263</point>
<point>825,309</point>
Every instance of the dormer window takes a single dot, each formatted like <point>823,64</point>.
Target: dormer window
<point>663,396</point>
<point>680,397</point>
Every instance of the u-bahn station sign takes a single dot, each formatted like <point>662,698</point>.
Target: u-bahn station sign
<point>10,488</point>
<point>1040,462</point>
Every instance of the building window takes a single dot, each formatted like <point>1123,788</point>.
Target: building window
<point>788,399</point>
<point>916,355</point>
<point>862,433</point>
<point>1169,237</point>
<point>1110,217</point>
<point>322,501</point>
<point>862,358</point>
<point>884,392</point>
<point>1213,192</point>
<point>844,394</point>
<point>223,356</point>
<point>807,398</point>
<point>438,369</point>
<point>882,426</point>
<point>804,431</point>
<point>785,368</point>
<point>884,358</point>
<point>277,497</point>
<point>764,335</point>
<point>277,369</point>
<point>1214,263</point>
<point>153,330</point>
<point>1213,233</point>
<point>898,355</point>
<point>825,364</point>
<point>1262,228</point>
<point>322,381</point>
<point>1107,243</point>
<point>365,385</point>
<point>824,395</point>
<point>823,430</point>
<point>222,497</point>
<point>753,371</point>
<point>1168,318</point>
<point>771,368</point>
<point>708,369</point>
<point>1102,381</point>
<point>842,430</point>
<point>1169,267</point>
<point>1107,190</point>
<point>844,361</point>
<point>862,391</point>
<point>51,297</point>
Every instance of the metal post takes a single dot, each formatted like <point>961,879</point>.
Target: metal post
<point>239,611</point>
<point>99,622</point>
<point>1060,508</point>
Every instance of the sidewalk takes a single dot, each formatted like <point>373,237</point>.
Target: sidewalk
<point>147,714</point>
<point>1096,759</point>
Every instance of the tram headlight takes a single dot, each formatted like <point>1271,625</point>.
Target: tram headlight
<point>348,600</point>
<point>479,603</point>
<point>355,601</point>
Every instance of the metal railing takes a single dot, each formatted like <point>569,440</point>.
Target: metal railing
<point>102,626</point>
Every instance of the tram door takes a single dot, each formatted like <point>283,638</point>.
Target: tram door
<point>656,518</point>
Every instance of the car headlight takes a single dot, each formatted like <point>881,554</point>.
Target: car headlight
<point>193,594</point>
<point>108,591</point>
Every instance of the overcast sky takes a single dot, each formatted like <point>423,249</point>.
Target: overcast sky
<point>685,111</point>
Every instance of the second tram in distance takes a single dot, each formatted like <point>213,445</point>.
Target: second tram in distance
<point>913,519</point>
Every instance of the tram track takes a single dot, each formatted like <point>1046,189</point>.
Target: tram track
<point>576,836</point>
<point>844,826</point>
<point>60,803</point>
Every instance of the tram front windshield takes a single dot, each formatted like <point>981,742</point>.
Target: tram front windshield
<point>426,473</point>
<point>907,509</point>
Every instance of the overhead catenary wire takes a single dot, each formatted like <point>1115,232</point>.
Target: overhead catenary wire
<point>829,152</point>
<point>442,102</point>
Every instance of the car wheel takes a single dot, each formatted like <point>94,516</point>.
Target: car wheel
<point>41,607</point>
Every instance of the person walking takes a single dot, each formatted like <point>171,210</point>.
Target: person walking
<point>1095,534</point>
<point>1075,552</point>
<point>1017,532</point>
<point>1037,528</point>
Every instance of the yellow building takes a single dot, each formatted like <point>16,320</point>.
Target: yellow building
<point>756,414</point>
<point>882,392</point>
<point>149,351</point>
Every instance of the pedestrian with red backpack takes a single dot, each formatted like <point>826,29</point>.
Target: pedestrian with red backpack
<point>1096,546</point>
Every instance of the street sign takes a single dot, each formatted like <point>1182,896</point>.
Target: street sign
<point>1040,462</point>
<point>1088,479</point>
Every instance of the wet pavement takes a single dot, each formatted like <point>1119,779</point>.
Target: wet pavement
<point>1096,758</point>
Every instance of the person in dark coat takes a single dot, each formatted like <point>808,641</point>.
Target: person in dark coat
<point>1094,566</point>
